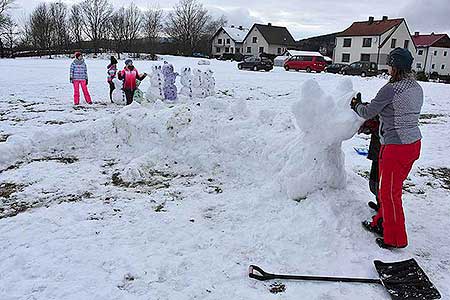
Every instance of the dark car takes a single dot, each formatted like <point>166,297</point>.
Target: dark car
<point>201,55</point>
<point>334,68</point>
<point>362,68</point>
<point>256,64</point>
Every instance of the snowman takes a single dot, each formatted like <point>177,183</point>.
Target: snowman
<point>186,82</point>
<point>198,84</point>
<point>118,96</point>
<point>155,91</point>
<point>169,87</point>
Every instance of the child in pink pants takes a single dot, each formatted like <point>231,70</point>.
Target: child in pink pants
<point>78,76</point>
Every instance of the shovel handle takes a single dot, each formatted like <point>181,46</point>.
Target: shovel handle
<point>256,272</point>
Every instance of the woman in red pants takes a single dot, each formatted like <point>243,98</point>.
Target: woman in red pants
<point>398,104</point>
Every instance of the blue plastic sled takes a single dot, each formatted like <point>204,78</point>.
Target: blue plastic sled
<point>361,151</point>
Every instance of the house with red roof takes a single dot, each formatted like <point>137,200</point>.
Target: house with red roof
<point>433,53</point>
<point>372,41</point>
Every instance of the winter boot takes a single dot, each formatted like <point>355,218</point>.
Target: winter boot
<point>374,229</point>
<point>373,205</point>
<point>381,244</point>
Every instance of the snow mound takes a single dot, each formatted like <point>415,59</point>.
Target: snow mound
<point>316,159</point>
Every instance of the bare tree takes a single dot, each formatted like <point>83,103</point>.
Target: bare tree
<point>75,24</point>
<point>5,22</point>
<point>117,30</point>
<point>153,26</point>
<point>96,14</point>
<point>11,35</point>
<point>60,33</point>
<point>187,23</point>
<point>40,28</point>
<point>126,27</point>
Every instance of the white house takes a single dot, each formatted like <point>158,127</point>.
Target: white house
<point>372,41</point>
<point>228,40</point>
<point>268,39</point>
<point>433,53</point>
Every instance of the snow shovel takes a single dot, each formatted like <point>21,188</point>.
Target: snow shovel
<point>403,280</point>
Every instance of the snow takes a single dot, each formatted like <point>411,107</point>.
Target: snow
<point>175,201</point>
<point>238,35</point>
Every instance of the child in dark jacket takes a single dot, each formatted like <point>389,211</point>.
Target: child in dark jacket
<point>112,71</point>
<point>371,127</point>
<point>129,75</point>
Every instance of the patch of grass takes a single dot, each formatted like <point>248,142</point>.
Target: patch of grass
<point>160,207</point>
<point>4,137</point>
<point>61,159</point>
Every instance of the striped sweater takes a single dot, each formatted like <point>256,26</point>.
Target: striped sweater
<point>398,104</point>
<point>78,70</point>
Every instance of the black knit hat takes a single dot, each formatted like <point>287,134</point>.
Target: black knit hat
<point>113,60</point>
<point>401,59</point>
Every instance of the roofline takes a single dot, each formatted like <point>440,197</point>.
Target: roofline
<point>431,45</point>
<point>398,19</point>
<point>256,24</point>
<point>218,30</point>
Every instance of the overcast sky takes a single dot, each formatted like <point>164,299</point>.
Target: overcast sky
<point>306,18</point>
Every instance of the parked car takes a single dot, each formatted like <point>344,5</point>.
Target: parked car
<point>334,68</point>
<point>256,64</point>
<point>305,62</point>
<point>226,56</point>
<point>201,55</point>
<point>362,68</point>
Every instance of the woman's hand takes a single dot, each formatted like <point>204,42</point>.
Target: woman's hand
<point>355,101</point>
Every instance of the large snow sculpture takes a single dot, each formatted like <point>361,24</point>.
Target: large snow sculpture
<point>316,159</point>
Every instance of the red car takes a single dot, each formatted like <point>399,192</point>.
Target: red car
<point>305,62</point>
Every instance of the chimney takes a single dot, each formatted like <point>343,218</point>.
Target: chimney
<point>370,20</point>
<point>432,33</point>
<point>385,18</point>
<point>269,24</point>
<point>416,33</point>
<point>240,27</point>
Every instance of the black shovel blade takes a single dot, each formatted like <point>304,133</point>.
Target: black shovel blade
<point>405,280</point>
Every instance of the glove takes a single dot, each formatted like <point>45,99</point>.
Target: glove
<point>355,101</point>
<point>71,80</point>
<point>86,81</point>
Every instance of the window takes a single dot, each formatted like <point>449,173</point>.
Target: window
<point>367,42</point>
<point>320,59</point>
<point>435,53</point>
<point>218,49</point>
<point>238,50</point>
<point>433,66</point>
<point>347,43</point>
<point>442,67</point>
<point>445,53</point>
<point>227,49</point>
<point>249,49</point>
<point>261,49</point>
<point>228,41</point>
<point>420,52</point>
<point>419,66</point>
<point>219,41</point>
<point>393,43</point>
<point>365,57</point>
<point>307,58</point>
<point>255,39</point>
<point>279,50</point>
<point>406,44</point>
<point>345,57</point>
<point>232,50</point>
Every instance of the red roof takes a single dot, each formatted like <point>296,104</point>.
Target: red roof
<point>426,40</point>
<point>377,27</point>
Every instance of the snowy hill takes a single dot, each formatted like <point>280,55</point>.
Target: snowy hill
<point>175,201</point>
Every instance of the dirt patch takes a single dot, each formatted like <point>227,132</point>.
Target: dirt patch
<point>54,122</point>
<point>155,183</point>
<point>4,137</point>
<point>61,159</point>
<point>9,188</point>
<point>440,174</point>
<point>429,119</point>
<point>277,287</point>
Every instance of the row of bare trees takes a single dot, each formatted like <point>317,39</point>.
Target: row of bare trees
<point>9,31</point>
<point>55,27</point>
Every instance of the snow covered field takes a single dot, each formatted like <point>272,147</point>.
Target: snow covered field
<point>175,201</point>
